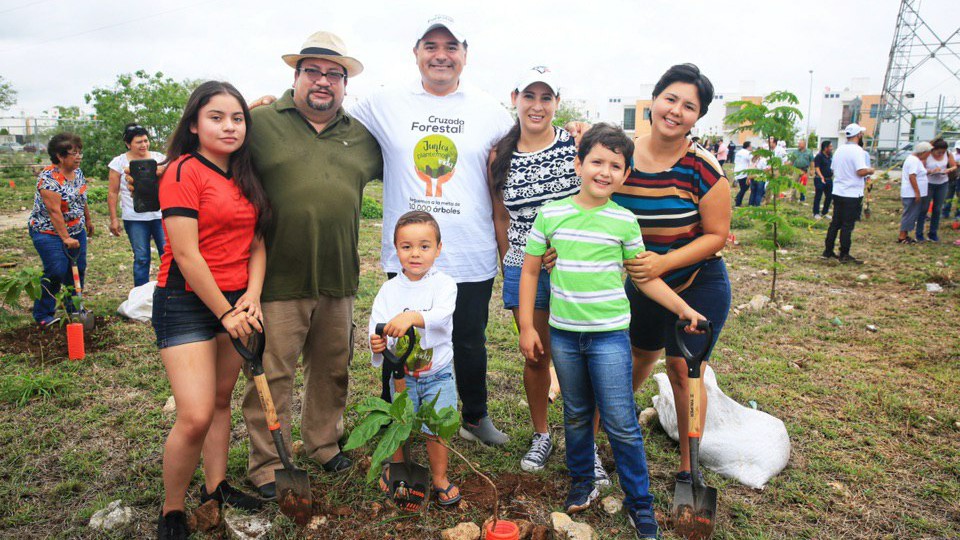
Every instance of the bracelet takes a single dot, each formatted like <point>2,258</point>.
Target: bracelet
<point>227,312</point>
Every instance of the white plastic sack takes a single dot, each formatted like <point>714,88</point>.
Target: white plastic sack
<point>139,303</point>
<point>738,442</point>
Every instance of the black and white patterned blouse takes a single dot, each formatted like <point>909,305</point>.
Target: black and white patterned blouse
<point>535,179</point>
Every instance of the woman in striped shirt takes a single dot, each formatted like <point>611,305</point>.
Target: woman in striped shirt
<point>681,199</point>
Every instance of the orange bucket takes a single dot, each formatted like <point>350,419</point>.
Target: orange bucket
<point>75,341</point>
<point>505,530</point>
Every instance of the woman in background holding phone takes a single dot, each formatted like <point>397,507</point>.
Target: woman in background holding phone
<point>140,226</point>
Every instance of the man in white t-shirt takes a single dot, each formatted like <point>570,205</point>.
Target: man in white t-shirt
<point>742,162</point>
<point>850,167</point>
<point>913,189</point>
<point>436,134</point>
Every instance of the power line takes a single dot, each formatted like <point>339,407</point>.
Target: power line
<point>73,35</point>
<point>24,6</point>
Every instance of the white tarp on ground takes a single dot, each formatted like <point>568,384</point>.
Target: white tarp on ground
<point>747,445</point>
<point>139,303</point>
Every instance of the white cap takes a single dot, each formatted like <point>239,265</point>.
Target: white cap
<point>442,21</point>
<point>922,147</point>
<point>536,74</point>
<point>956,145</point>
<point>853,130</point>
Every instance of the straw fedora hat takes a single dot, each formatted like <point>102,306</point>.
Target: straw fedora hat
<point>327,46</point>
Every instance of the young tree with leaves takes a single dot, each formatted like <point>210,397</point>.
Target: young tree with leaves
<point>8,96</point>
<point>775,117</point>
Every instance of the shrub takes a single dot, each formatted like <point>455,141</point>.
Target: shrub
<point>371,209</point>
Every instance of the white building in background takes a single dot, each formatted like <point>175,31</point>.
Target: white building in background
<point>29,128</point>
<point>852,104</point>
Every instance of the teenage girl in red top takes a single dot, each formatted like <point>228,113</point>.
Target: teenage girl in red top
<point>208,290</point>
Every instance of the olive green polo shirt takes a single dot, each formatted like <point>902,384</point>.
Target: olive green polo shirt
<point>315,185</point>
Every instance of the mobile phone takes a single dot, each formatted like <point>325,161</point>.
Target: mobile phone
<point>146,185</point>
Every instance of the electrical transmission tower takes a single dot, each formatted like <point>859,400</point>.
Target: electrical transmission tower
<point>914,45</point>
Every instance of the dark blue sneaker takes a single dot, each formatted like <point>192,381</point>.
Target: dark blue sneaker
<point>582,493</point>
<point>644,522</point>
<point>933,237</point>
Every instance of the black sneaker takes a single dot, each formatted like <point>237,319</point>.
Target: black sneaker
<point>172,526</point>
<point>644,522</point>
<point>582,493</point>
<point>231,496</point>
<point>268,491</point>
<point>337,464</point>
<point>828,255</point>
<point>849,259</point>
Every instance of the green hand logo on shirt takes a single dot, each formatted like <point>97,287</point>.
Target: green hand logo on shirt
<point>419,359</point>
<point>435,158</point>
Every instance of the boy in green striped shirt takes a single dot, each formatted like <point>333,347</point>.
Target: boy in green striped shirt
<point>589,317</point>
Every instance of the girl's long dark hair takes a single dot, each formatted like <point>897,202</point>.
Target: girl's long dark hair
<point>182,141</point>
<point>500,166</point>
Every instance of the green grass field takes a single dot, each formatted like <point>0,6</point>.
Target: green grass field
<point>874,417</point>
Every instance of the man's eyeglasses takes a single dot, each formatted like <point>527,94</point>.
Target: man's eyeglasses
<point>333,77</point>
<point>75,153</point>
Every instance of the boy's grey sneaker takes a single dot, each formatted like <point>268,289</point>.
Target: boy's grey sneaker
<point>484,432</point>
<point>582,493</point>
<point>644,522</point>
<point>536,458</point>
<point>600,477</point>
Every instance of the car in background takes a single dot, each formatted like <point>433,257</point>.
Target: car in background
<point>10,147</point>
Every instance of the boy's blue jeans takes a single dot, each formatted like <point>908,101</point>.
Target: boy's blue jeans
<point>139,233</point>
<point>56,270</point>
<point>596,371</point>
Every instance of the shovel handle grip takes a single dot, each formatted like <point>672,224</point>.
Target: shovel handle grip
<point>693,360</point>
<point>392,358</point>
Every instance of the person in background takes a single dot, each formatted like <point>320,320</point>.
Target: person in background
<point>721,153</point>
<point>939,165</point>
<point>823,180</point>
<point>140,226</point>
<point>530,166</point>
<point>953,187</point>
<point>60,223</point>
<point>742,161</point>
<point>802,158</point>
<point>850,167</point>
<point>913,191</point>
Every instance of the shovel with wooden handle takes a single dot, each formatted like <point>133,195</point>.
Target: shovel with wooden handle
<point>408,479</point>
<point>293,485</point>
<point>694,507</point>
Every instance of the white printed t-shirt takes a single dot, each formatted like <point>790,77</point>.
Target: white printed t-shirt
<point>913,165</point>
<point>435,297</point>
<point>741,162</point>
<point>127,212</point>
<point>847,160</point>
<point>435,152</point>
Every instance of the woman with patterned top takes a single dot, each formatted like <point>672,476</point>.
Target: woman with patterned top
<point>681,199</point>
<point>532,165</point>
<point>60,222</point>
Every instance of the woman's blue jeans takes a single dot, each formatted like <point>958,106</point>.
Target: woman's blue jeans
<point>596,371</point>
<point>140,233</point>
<point>936,193</point>
<point>56,270</point>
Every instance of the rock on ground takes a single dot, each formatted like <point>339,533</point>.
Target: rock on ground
<point>611,504</point>
<point>241,527</point>
<point>113,516</point>
<point>206,517</point>
<point>297,448</point>
<point>559,520</point>
<point>758,302</point>
<point>647,416</point>
<point>170,406</point>
<point>464,531</point>
<point>580,531</point>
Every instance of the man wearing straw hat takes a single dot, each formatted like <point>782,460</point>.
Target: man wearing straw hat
<point>314,160</point>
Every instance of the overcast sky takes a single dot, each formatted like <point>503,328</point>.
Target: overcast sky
<point>54,51</point>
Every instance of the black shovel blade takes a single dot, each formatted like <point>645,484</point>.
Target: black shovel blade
<point>408,485</point>
<point>294,495</point>
<point>694,511</point>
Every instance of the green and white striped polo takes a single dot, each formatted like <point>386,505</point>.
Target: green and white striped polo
<point>586,285</point>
